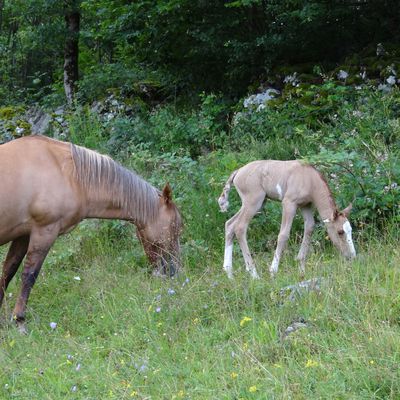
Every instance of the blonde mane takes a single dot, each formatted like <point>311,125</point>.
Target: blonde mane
<point>101,176</point>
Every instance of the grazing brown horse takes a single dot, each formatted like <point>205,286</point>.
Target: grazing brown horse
<point>47,187</point>
<point>296,185</point>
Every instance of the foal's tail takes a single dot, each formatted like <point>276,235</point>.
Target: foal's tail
<point>223,199</point>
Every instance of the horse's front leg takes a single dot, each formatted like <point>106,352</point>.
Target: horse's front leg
<point>15,255</point>
<point>288,213</point>
<point>309,224</point>
<point>40,241</point>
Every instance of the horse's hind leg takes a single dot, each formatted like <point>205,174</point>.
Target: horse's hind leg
<point>309,224</point>
<point>15,255</point>
<point>40,241</point>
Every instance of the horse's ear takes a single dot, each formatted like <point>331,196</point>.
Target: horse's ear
<point>167,193</point>
<point>346,211</point>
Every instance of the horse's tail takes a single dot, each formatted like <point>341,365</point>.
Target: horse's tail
<point>223,199</point>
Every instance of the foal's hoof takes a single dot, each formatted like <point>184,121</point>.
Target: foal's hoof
<point>254,275</point>
<point>22,328</point>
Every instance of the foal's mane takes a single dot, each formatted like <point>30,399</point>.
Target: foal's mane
<point>103,177</point>
<point>330,196</point>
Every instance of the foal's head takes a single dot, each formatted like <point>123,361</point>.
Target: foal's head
<point>160,237</point>
<point>339,231</point>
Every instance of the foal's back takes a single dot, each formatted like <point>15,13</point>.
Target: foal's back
<point>278,180</point>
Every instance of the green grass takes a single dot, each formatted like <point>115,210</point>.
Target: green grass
<point>123,334</point>
<point>133,338</point>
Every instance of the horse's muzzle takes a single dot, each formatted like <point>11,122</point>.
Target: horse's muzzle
<point>168,267</point>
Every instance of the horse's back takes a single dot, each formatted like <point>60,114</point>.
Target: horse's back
<point>36,184</point>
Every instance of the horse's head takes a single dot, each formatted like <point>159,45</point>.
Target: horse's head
<point>160,237</point>
<point>339,231</point>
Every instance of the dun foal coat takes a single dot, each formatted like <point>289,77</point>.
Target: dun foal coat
<point>296,185</point>
<point>47,187</point>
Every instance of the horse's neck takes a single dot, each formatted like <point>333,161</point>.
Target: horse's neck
<point>323,200</point>
<point>104,208</point>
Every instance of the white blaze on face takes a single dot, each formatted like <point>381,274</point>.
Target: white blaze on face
<point>279,190</point>
<point>349,240</point>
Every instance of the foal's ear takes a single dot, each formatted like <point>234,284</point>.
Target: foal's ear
<point>347,210</point>
<point>167,193</point>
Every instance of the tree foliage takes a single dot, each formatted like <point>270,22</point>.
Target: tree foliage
<point>193,45</point>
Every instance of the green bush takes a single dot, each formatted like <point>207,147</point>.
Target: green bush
<point>353,135</point>
<point>166,130</point>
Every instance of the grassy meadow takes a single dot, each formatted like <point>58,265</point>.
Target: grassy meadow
<point>123,334</point>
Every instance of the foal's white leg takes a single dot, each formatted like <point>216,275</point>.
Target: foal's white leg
<point>288,213</point>
<point>241,234</point>
<point>250,206</point>
<point>308,216</point>
<point>229,233</point>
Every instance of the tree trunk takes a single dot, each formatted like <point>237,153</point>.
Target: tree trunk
<point>71,51</point>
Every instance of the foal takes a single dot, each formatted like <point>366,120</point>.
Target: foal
<point>296,185</point>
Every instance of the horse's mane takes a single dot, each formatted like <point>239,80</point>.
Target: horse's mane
<point>101,176</point>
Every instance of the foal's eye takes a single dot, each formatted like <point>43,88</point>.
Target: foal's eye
<point>341,232</point>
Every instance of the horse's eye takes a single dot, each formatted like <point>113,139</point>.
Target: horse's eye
<point>341,232</point>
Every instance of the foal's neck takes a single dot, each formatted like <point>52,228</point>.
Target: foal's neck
<point>323,199</point>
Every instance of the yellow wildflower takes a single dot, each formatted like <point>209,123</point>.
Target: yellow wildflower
<point>252,389</point>
<point>234,375</point>
<point>134,393</point>
<point>311,363</point>
<point>244,321</point>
